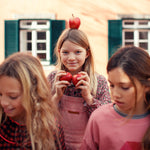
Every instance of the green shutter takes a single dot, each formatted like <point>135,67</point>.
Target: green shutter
<point>114,36</point>
<point>56,28</point>
<point>11,37</point>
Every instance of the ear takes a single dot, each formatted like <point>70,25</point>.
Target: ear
<point>59,52</point>
<point>147,87</point>
<point>87,54</point>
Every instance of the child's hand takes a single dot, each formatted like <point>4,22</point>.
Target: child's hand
<point>60,85</point>
<point>84,84</point>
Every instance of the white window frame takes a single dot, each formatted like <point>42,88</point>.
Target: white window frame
<point>34,28</point>
<point>136,28</point>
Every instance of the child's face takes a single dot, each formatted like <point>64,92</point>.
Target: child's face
<point>123,92</point>
<point>11,97</point>
<point>73,56</point>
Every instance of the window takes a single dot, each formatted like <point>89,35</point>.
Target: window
<point>128,31</point>
<point>37,36</point>
<point>136,32</point>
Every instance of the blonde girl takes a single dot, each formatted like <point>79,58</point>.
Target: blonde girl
<point>27,114</point>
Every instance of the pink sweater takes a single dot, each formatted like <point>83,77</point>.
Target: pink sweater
<point>108,130</point>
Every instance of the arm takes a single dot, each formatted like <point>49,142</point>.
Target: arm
<point>102,94</point>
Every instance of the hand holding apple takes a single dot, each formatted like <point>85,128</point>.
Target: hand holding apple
<point>75,78</point>
<point>74,22</point>
<point>67,77</point>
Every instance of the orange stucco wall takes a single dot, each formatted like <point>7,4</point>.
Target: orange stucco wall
<point>94,15</point>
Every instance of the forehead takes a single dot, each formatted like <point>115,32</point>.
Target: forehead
<point>9,84</point>
<point>70,45</point>
<point>117,75</point>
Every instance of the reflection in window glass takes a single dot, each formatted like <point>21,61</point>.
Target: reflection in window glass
<point>129,23</point>
<point>144,45</point>
<point>129,35</point>
<point>29,46</point>
<point>29,36</point>
<point>129,43</point>
<point>41,56</point>
<point>143,23</point>
<point>28,23</point>
<point>41,35</point>
<point>143,35</point>
<point>41,46</point>
<point>41,23</point>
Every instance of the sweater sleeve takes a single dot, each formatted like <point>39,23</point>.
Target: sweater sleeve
<point>61,137</point>
<point>102,94</point>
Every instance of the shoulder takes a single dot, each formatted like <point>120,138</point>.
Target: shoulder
<point>101,81</point>
<point>102,112</point>
<point>100,77</point>
<point>51,75</point>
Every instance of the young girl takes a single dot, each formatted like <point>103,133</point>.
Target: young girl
<point>27,114</point>
<point>121,125</point>
<point>76,102</point>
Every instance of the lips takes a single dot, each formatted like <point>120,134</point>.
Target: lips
<point>118,103</point>
<point>8,111</point>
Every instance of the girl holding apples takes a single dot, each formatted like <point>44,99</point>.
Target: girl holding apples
<point>89,91</point>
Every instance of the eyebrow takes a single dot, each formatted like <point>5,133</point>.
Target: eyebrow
<point>121,83</point>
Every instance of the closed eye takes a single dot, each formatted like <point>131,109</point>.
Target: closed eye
<point>125,88</point>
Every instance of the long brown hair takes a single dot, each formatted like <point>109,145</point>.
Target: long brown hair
<point>40,111</point>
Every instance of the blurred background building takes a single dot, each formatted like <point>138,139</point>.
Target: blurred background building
<point>34,25</point>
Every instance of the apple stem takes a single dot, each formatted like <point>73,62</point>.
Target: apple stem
<point>72,15</point>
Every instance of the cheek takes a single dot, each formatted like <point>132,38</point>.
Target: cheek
<point>130,97</point>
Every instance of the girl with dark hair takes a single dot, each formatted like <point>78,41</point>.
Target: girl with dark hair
<point>122,124</point>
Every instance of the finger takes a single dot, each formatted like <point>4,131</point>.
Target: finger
<point>59,74</point>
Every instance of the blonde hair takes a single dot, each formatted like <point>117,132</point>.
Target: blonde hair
<point>40,116</point>
<point>78,37</point>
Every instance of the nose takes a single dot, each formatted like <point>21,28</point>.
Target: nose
<point>3,101</point>
<point>71,56</point>
<point>115,93</point>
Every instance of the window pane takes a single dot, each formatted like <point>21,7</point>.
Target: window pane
<point>41,46</point>
<point>143,35</point>
<point>29,46</point>
<point>41,35</point>
<point>129,35</point>
<point>144,45</point>
<point>41,56</point>
<point>41,23</point>
<point>28,23</point>
<point>143,23</point>
<point>129,43</point>
<point>129,23</point>
<point>29,36</point>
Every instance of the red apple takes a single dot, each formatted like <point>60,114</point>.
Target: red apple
<point>74,78</point>
<point>74,22</point>
<point>67,77</point>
